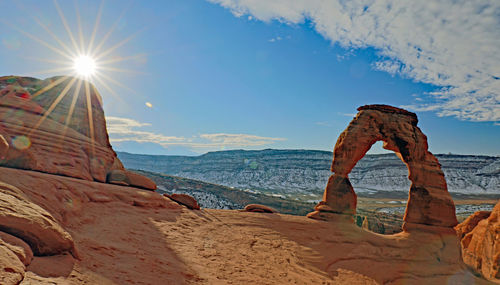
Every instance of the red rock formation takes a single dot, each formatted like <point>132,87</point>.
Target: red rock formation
<point>126,235</point>
<point>480,241</point>
<point>4,147</point>
<point>22,218</point>
<point>48,127</point>
<point>257,208</point>
<point>34,218</point>
<point>470,223</point>
<point>128,178</point>
<point>184,199</point>
<point>429,202</point>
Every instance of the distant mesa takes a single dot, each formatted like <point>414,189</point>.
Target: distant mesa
<point>57,126</point>
<point>429,202</point>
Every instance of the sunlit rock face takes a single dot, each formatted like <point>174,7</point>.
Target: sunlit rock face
<point>429,202</point>
<point>480,241</point>
<point>56,126</point>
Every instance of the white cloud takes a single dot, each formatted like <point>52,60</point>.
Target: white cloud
<point>451,44</point>
<point>125,129</point>
<point>237,140</point>
<point>276,39</point>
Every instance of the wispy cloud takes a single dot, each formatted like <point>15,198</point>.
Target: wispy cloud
<point>237,140</point>
<point>276,39</point>
<point>323,124</point>
<point>454,45</point>
<point>125,129</point>
<point>348,114</point>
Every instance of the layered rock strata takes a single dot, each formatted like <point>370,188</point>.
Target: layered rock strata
<point>57,126</point>
<point>37,220</point>
<point>429,202</point>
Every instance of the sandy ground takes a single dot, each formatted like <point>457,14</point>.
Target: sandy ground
<point>139,237</point>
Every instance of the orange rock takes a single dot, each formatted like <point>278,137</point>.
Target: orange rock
<point>481,242</point>
<point>11,268</point>
<point>48,125</point>
<point>118,177</point>
<point>129,178</point>
<point>470,223</point>
<point>31,223</point>
<point>20,248</point>
<point>429,202</point>
<point>259,208</point>
<point>4,147</point>
<point>185,200</point>
<point>137,180</point>
<point>159,243</point>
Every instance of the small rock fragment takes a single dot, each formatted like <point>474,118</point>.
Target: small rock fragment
<point>140,181</point>
<point>185,200</point>
<point>259,208</point>
<point>118,177</point>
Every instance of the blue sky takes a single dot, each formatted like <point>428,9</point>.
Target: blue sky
<point>230,74</point>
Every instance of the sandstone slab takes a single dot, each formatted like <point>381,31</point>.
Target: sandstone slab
<point>12,270</point>
<point>257,208</point>
<point>185,200</point>
<point>20,248</point>
<point>129,178</point>
<point>31,223</point>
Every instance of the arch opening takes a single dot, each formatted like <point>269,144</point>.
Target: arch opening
<point>429,202</point>
<point>380,181</point>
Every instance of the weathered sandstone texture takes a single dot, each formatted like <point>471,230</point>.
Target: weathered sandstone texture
<point>184,199</point>
<point>56,126</point>
<point>480,240</point>
<point>257,208</point>
<point>39,214</point>
<point>429,202</point>
<point>127,235</point>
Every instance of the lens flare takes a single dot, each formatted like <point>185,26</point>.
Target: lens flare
<point>21,142</point>
<point>84,66</point>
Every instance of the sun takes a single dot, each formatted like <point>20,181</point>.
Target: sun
<point>85,63</point>
<point>84,66</point>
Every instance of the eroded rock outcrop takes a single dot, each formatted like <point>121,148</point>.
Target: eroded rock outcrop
<point>258,208</point>
<point>36,215</point>
<point>26,220</point>
<point>129,178</point>
<point>56,126</point>
<point>184,199</point>
<point>429,202</point>
<point>480,241</point>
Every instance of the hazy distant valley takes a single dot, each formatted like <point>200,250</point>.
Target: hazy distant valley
<point>302,174</point>
<point>292,181</point>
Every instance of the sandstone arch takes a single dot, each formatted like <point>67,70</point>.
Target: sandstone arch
<point>429,202</point>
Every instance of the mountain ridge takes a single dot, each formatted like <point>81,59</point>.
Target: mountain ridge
<point>306,171</point>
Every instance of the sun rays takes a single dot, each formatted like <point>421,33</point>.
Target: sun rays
<point>84,61</point>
